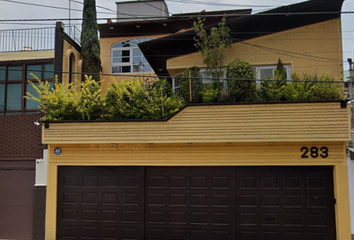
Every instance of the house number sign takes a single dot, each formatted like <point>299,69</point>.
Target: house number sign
<point>314,152</point>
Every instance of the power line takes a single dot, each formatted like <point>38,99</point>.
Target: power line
<point>218,3</point>
<point>149,17</point>
<point>47,6</point>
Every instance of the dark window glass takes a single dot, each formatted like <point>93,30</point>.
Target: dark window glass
<point>34,69</point>
<point>14,97</point>
<point>31,104</point>
<point>48,71</point>
<point>126,69</point>
<point>2,73</point>
<point>2,97</point>
<point>14,73</point>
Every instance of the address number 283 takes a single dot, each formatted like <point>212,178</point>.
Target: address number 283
<point>314,152</point>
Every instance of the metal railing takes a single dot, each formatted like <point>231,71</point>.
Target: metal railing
<point>33,39</point>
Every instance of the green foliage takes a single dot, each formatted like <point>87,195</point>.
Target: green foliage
<point>90,103</point>
<point>90,45</point>
<point>240,90</point>
<point>161,84</point>
<point>210,94</point>
<point>274,89</point>
<point>313,88</point>
<point>192,73</point>
<point>125,100</point>
<point>212,44</point>
<point>133,100</point>
<point>64,102</point>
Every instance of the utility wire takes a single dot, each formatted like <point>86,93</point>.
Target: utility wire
<point>151,18</point>
<point>218,3</point>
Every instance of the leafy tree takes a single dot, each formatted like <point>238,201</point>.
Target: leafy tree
<point>241,86</point>
<point>191,74</point>
<point>274,90</point>
<point>211,43</point>
<point>90,45</point>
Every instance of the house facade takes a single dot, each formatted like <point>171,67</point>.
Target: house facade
<point>217,171</point>
<point>21,144</point>
<point>22,155</point>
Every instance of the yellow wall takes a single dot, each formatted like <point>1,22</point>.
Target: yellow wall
<point>68,49</point>
<point>322,40</point>
<point>229,123</point>
<point>26,55</point>
<point>213,154</point>
<point>106,44</point>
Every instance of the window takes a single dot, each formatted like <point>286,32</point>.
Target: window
<point>204,75</point>
<point>267,72</point>
<point>14,84</point>
<point>261,72</point>
<point>126,57</point>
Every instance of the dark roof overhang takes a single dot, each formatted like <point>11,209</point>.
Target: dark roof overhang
<point>158,51</point>
<point>173,24</point>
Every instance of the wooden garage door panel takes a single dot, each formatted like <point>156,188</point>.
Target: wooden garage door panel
<point>285,203</point>
<point>196,203</point>
<point>101,203</point>
<point>190,203</point>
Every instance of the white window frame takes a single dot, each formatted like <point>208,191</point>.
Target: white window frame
<point>257,70</point>
<point>134,42</point>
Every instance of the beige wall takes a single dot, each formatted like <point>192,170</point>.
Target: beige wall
<point>229,123</point>
<point>68,49</point>
<point>106,44</point>
<point>322,40</point>
<point>26,55</point>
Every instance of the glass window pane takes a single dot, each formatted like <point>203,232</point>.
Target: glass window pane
<point>2,97</point>
<point>14,73</point>
<point>126,69</point>
<point>137,68</point>
<point>117,60</point>
<point>13,97</point>
<point>34,69</point>
<point>138,61</point>
<point>147,67</point>
<point>117,45</point>
<point>126,44</point>
<point>2,73</point>
<point>137,52</point>
<point>48,71</point>
<point>115,69</point>
<point>31,104</point>
<point>266,73</point>
<point>117,53</point>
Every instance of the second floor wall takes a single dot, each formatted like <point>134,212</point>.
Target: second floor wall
<point>313,49</point>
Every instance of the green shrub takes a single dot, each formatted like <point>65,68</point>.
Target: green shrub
<point>313,88</point>
<point>197,85</point>
<point>56,103</point>
<point>91,104</point>
<point>274,89</point>
<point>241,90</point>
<point>134,100</point>
<point>210,94</point>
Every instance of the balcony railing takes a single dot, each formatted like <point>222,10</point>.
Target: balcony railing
<point>33,38</point>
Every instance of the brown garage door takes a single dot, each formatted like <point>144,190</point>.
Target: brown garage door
<point>16,200</point>
<point>101,203</point>
<point>196,203</point>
